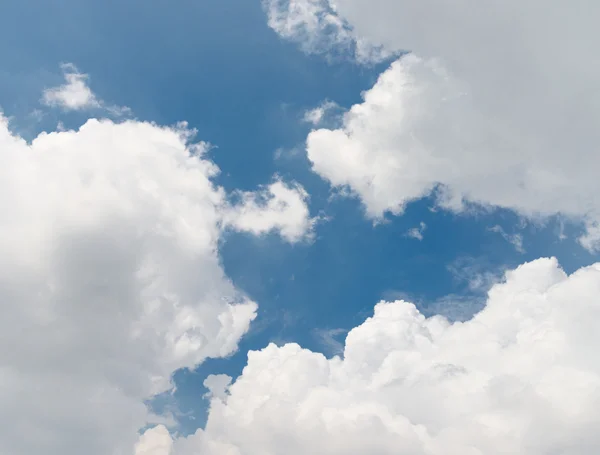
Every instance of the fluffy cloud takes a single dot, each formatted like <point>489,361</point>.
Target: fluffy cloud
<point>156,441</point>
<point>521,377</point>
<point>497,105</point>
<point>76,95</point>
<point>110,280</point>
<point>277,207</point>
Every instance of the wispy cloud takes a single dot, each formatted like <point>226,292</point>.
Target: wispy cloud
<point>317,115</point>
<point>329,339</point>
<point>478,275</point>
<point>515,240</point>
<point>417,232</point>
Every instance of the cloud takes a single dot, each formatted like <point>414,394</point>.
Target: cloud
<point>328,338</point>
<point>315,26</point>
<point>76,95</point>
<point>497,105</point>
<point>515,240</point>
<point>417,232</point>
<point>472,278</point>
<point>456,307</point>
<point>156,441</point>
<point>521,377</point>
<point>476,273</point>
<point>277,207</point>
<point>317,115</point>
<point>217,385</point>
<point>110,280</point>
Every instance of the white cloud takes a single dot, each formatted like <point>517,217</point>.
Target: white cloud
<point>522,377</point>
<point>217,385</point>
<point>156,441</point>
<point>315,26</point>
<point>76,95</point>
<point>417,232</point>
<point>515,240</point>
<point>110,281</point>
<point>317,115</point>
<point>497,105</point>
<point>591,239</point>
<point>278,207</point>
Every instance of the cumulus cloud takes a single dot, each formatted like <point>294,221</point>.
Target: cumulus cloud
<point>521,377</point>
<point>76,95</point>
<point>110,281</point>
<point>217,385</point>
<point>497,105</point>
<point>277,207</point>
<point>156,441</point>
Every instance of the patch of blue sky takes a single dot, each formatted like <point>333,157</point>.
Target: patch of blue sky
<point>216,65</point>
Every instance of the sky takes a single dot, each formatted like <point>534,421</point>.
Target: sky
<point>299,226</point>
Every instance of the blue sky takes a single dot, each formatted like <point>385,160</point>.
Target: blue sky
<point>218,66</point>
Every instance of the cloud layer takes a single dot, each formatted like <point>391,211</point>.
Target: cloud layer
<point>496,105</point>
<point>522,377</point>
<point>110,279</point>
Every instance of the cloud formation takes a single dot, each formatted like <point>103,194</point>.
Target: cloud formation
<point>496,105</point>
<point>316,27</point>
<point>277,207</point>
<point>110,279</point>
<point>521,377</point>
<point>317,115</point>
<point>515,240</point>
<point>76,95</point>
<point>417,232</point>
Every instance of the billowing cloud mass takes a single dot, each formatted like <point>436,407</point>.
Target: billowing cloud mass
<point>497,104</point>
<point>522,377</point>
<point>110,279</point>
